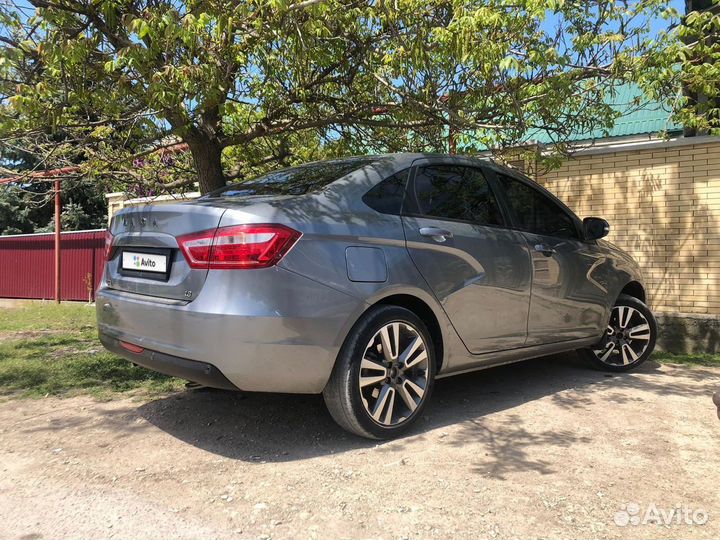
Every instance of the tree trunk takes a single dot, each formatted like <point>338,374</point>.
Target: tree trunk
<point>207,155</point>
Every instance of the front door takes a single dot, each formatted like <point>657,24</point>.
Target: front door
<point>478,269</point>
<point>569,293</point>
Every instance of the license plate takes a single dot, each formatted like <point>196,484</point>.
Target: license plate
<point>144,262</point>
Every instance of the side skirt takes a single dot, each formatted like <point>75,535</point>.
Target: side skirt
<point>498,358</point>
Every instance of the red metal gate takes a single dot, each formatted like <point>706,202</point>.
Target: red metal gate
<point>27,265</point>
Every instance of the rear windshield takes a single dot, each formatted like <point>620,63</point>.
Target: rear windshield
<point>294,180</point>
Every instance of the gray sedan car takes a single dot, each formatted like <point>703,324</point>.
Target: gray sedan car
<point>365,279</point>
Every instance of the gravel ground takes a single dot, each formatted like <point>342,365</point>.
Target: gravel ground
<point>547,448</point>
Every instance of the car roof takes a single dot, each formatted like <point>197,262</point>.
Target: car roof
<point>356,183</point>
<point>412,156</point>
<point>402,160</point>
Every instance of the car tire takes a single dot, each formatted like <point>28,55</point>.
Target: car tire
<point>622,348</point>
<point>382,360</point>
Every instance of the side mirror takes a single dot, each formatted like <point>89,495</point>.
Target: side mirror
<point>595,228</point>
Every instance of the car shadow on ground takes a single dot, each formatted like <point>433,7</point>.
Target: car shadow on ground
<point>283,427</point>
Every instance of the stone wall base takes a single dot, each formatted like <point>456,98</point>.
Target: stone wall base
<point>684,333</point>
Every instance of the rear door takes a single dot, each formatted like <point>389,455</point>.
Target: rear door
<point>569,275</point>
<point>478,269</point>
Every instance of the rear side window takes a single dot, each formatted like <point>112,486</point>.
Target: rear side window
<point>456,192</point>
<point>295,180</point>
<point>536,212</point>
<point>387,196</point>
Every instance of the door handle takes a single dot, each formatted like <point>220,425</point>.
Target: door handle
<point>545,249</point>
<point>439,235</point>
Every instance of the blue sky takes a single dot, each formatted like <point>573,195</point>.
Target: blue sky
<point>660,24</point>
<point>655,25</point>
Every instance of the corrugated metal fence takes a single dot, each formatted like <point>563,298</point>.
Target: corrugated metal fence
<point>27,265</point>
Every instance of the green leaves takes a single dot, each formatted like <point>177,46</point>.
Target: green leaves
<point>258,80</point>
<point>697,69</point>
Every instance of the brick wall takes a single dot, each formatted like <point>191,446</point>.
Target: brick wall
<point>663,206</point>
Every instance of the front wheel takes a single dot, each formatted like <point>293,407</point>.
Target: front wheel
<point>629,338</point>
<point>383,375</point>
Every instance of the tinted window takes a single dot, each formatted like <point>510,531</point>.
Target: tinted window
<point>295,180</point>
<point>387,196</point>
<point>535,212</point>
<point>454,192</point>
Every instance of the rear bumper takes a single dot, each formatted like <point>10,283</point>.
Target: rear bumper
<point>267,330</point>
<point>192,370</point>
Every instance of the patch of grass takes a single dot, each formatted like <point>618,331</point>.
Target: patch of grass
<point>49,349</point>
<point>47,316</point>
<point>700,359</point>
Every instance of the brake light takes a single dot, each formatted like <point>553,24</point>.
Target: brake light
<point>238,246</point>
<point>108,245</point>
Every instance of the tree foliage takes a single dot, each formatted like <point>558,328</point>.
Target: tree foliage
<point>28,208</point>
<point>698,52</point>
<point>109,85</point>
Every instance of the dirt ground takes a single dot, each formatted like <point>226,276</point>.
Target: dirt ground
<point>548,448</point>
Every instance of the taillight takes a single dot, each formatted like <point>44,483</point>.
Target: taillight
<point>108,245</point>
<point>238,246</point>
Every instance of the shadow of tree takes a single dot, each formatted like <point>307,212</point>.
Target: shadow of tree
<point>508,446</point>
<point>272,427</point>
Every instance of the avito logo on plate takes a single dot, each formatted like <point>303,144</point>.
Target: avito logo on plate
<point>147,262</point>
<point>141,262</point>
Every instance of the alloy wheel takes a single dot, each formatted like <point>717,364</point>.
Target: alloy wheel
<point>626,339</point>
<point>394,373</point>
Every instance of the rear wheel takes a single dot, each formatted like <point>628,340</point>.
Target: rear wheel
<point>384,374</point>
<point>629,338</point>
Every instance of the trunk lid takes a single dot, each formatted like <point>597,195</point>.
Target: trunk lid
<point>145,244</point>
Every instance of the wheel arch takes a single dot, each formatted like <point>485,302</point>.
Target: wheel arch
<point>420,308</point>
<point>636,290</point>
<point>417,301</point>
